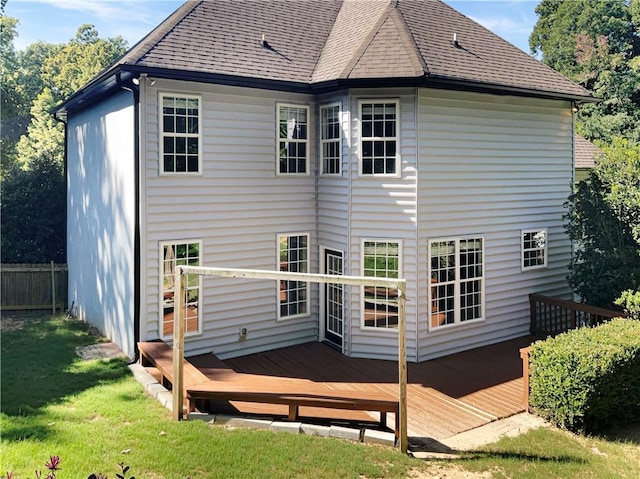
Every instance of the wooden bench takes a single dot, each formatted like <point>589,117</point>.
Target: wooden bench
<point>296,395</point>
<point>159,355</point>
<point>252,388</point>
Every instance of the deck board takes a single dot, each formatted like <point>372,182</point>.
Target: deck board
<point>445,396</point>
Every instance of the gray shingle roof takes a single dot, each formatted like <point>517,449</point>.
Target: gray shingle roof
<point>585,152</point>
<point>311,43</point>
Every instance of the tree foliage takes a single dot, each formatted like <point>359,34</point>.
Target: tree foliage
<point>33,188</point>
<point>597,44</point>
<point>604,221</point>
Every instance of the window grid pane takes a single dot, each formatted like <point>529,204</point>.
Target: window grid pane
<point>381,260</point>
<point>293,136</point>
<point>330,139</point>
<point>180,254</point>
<point>378,138</point>
<point>293,256</point>
<point>457,269</point>
<point>180,134</point>
<point>534,248</point>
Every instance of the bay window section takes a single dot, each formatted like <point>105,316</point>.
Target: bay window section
<point>293,296</point>
<point>180,254</point>
<point>380,259</point>
<point>457,281</point>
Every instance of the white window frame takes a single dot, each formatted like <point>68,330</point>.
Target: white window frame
<point>324,141</point>
<point>162,134</point>
<point>363,241</point>
<point>456,283</point>
<point>306,141</point>
<point>162,245</point>
<point>307,301</point>
<point>398,164</point>
<point>524,250</point>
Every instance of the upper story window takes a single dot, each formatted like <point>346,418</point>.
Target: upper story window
<point>293,296</point>
<point>380,259</point>
<point>180,134</point>
<point>330,139</point>
<point>457,281</point>
<point>293,139</point>
<point>181,253</point>
<point>379,137</point>
<point>534,249</point>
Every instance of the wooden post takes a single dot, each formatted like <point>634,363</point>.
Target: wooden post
<point>402,365</point>
<point>178,343</point>
<point>53,289</point>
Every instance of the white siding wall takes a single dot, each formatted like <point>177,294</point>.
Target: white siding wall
<point>236,207</point>
<point>101,217</point>
<point>491,166</point>
<point>384,208</point>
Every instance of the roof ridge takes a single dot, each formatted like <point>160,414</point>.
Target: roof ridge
<point>416,57</point>
<point>357,55</point>
<point>147,43</point>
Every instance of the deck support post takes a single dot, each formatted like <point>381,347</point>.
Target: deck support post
<point>402,365</point>
<point>178,344</point>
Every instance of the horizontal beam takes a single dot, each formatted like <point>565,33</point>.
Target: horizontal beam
<point>289,276</point>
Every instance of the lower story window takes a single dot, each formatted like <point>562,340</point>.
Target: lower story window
<point>293,296</point>
<point>457,281</point>
<point>180,254</point>
<point>381,259</point>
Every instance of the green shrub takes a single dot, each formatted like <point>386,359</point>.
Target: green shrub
<point>630,302</point>
<point>588,378</point>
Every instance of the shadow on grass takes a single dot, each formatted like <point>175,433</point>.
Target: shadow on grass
<point>515,456</point>
<point>40,366</point>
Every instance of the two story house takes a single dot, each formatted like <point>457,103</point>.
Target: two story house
<point>383,138</point>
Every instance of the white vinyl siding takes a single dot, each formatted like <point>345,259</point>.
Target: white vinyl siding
<point>493,166</point>
<point>180,133</point>
<point>101,217</point>
<point>293,139</point>
<point>237,207</point>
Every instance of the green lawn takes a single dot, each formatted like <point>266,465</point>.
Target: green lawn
<point>94,415</point>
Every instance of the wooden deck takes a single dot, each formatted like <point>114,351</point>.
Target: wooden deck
<point>445,396</point>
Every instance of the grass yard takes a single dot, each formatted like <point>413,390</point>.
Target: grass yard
<point>94,415</point>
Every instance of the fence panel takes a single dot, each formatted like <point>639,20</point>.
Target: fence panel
<point>33,287</point>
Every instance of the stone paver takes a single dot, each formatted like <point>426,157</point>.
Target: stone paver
<point>100,351</point>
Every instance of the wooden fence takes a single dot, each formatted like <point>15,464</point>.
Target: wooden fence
<point>33,287</point>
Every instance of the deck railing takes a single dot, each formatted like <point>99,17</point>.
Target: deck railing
<point>551,316</point>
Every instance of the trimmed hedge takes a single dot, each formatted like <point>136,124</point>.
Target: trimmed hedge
<point>588,378</point>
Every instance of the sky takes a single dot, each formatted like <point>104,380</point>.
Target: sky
<point>57,21</point>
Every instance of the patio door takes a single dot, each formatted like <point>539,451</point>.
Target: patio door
<point>333,307</point>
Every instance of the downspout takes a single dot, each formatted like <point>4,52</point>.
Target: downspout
<point>135,90</point>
